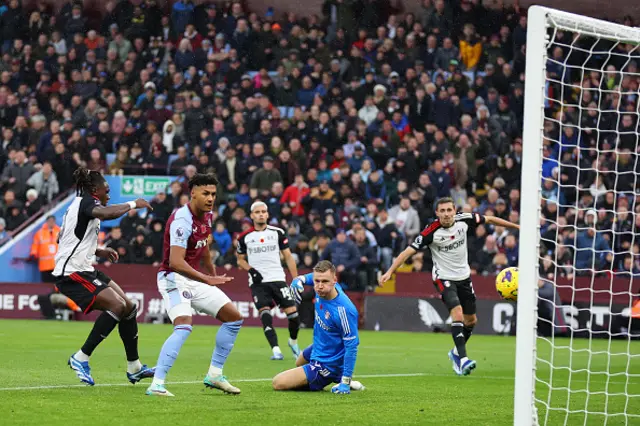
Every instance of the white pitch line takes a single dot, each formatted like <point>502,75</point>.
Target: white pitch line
<point>25,388</point>
<point>363,376</point>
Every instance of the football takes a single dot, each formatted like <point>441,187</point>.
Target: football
<point>507,284</point>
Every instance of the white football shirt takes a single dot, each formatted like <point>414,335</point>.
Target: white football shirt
<point>78,238</point>
<point>449,246</point>
<point>263,252</point>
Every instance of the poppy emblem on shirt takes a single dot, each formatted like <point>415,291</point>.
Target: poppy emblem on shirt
<point>327,315</point>
<point>262,240</point>
<point>452,237</point>
<point>203,228</point>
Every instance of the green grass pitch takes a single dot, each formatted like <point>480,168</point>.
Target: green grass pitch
<point>408,378</point>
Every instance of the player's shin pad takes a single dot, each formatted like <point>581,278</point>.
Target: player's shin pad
<point>170,350</point>
<point>467,331</point>
<point>294,325</point>
<point>459,339</point>
<point>128,329</point>
<point>225,340</point>
<point>103,326</point>
<point>267,325</point>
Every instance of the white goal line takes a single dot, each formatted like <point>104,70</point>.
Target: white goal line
<point>192,382</point>
<point>266,379</point>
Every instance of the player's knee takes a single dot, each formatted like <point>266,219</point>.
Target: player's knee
<point>277,383</point>
<point>129,308</point>
<point>235,316</point>
<point>456,314</point>
<point>119,307</point>
<point>294,318</point>
<point>266,318</point>
<point>182,320</point>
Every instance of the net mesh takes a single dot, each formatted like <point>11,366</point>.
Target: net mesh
<point>587,352</point>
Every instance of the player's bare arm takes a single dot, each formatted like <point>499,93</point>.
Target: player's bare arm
<point>207,259</point>
<point>117,210</point>
<point>108,253</point>
<point>493,220</point>
<point>179,265</point>
<point>399,261</point>
<point>242,262</point>
<point>290,261</point>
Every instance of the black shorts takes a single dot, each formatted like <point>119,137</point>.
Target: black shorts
<point>457,293</point>
<point>267,295</point>
<point>83,287</point>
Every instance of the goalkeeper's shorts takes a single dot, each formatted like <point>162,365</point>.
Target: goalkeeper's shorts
<point>319,376</point>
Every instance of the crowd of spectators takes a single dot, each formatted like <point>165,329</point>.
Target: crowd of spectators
<point>349,124</point>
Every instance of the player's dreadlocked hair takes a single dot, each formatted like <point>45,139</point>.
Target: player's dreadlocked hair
<point>87,181</point>
<point>202,179</point>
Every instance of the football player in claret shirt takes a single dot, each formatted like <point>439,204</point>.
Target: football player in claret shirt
<point>183,287</point>
<point>446,237</point>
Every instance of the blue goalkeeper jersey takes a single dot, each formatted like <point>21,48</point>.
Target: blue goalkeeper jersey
<point>335,333</point>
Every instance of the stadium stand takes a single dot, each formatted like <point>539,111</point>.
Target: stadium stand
<point>336,126</point>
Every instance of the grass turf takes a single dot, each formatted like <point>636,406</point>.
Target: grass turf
<point>408,378</point>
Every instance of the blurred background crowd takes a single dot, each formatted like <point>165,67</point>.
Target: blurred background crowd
<point>350,124</point>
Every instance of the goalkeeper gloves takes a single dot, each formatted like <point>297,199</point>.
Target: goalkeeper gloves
<point>256,277</point>
<point>297,288</point>
<point>342,388</point>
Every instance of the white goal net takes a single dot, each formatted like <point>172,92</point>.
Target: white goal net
<point>578,353</point>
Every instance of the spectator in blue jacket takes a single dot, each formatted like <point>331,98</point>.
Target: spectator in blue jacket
<point>592,249</point>
<point>344,254</point>
<point>182,15</point>
<point>440,179</point>
<point>305,94</point>
<point>222,238</point>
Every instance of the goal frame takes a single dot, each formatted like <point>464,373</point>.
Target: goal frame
<point>526,327</point>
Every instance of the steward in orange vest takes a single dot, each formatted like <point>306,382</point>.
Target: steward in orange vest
<point>45,247</point>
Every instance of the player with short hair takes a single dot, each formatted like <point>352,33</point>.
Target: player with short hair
<point>297,288</point>
<point>90,289</point>
<point>186,242</point>
<point>258,253</point>
<point>332,357</point>
<point>446,237</point>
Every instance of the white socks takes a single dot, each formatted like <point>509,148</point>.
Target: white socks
<point>276,350</point>
<point>81,356</point>
<point>134,366</point>
<point>293,342</point>
<point>214,371</point>
<point>157,382</point>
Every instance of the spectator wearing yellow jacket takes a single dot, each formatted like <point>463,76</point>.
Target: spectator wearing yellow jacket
<point>45,247</point>
<point>470,48</point>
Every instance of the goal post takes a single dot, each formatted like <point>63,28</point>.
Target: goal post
<point>585,376</point>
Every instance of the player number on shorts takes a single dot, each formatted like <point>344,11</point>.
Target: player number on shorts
<point>286,293</point>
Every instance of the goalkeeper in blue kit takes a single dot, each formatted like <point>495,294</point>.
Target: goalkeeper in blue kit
<point>332,357</point>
